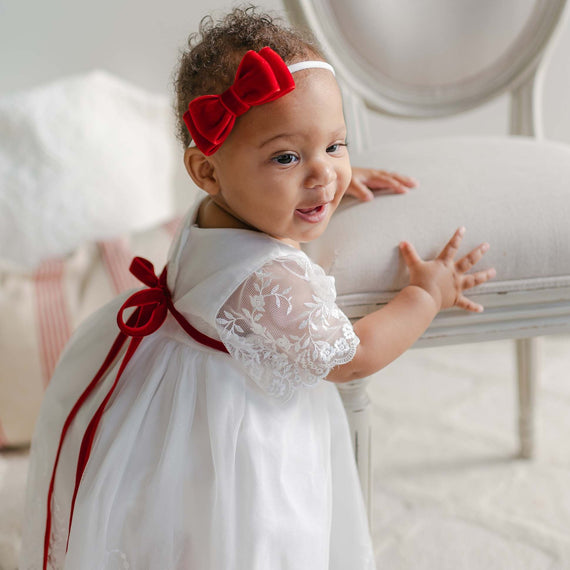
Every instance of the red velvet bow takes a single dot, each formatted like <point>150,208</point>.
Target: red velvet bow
<point>151,308</point>
<point>152,302</point>
<point>261,77</point>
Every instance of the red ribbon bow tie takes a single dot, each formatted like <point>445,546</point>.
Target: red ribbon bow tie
<point>261,77</point>
<point>152,303</point>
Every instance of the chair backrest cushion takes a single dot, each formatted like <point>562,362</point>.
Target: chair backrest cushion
<point>430,58</point>
<point>510,191</point>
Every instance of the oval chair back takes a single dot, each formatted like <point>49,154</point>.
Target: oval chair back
<point>436,57</point>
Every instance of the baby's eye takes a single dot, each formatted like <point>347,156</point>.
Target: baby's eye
<point>285,158</point>
<point>335,147</point>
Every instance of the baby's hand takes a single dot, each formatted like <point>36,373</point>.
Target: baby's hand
<point>445,279</point>
<point>364,180</point>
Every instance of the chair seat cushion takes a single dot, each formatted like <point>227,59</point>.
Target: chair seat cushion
<point>512,192</point>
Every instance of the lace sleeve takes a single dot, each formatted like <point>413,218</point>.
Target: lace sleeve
<point>283,325</point>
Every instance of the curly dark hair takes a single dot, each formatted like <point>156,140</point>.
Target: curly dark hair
<point>210,63</point>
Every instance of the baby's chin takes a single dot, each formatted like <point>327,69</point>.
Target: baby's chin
<point>297,241</point>
<point>314,235</point>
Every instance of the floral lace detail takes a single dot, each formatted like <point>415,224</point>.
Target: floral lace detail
<point>117,560</point>
<point>31,557</point>
<point>283,324</point>
<point>58,538</point>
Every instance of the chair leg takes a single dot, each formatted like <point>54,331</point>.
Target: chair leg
<point>528,370</point>
<point>357,405</point>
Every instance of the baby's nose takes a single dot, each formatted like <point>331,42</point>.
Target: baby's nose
<point>321,174</point>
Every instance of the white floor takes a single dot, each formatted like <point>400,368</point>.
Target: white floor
<point>449,492</point>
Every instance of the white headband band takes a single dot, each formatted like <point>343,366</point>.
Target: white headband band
<point>299,66</point>
<point>309,65</point>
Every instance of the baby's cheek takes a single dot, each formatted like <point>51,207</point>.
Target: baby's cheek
<point>345,180</point>
<point>347,172</point>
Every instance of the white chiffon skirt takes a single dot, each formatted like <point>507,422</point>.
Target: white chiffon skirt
<point>192,467</point>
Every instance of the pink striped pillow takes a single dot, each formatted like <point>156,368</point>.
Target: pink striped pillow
<point>41,308</point>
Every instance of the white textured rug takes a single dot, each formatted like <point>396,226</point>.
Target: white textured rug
<point>449,493</point>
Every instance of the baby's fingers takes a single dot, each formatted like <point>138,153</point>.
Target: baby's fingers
<point>469,281</point>
<point>450,249</point>
<point>465,303</point>
<point>405,180</point>
<point>473,279</point>
<point>409,253</point>
<point>469,260</point>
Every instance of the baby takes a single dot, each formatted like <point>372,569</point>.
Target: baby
<point>218,440</point>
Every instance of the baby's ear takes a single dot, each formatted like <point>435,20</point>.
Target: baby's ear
<point>201,170</point>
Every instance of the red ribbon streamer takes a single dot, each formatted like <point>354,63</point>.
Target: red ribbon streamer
<point>151,309</point>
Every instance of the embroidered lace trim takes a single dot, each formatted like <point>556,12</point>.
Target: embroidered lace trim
<point>283,325</point>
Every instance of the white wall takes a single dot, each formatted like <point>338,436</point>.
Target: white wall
<point>139,40</point>
<point>136,39</point>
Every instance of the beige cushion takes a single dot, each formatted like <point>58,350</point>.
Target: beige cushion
<point>512,192</point>
<point>40,308</point>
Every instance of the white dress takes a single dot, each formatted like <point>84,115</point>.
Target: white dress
<point>202,460</point>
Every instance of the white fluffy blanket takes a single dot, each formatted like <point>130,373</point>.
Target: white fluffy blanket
<point>81,159</point>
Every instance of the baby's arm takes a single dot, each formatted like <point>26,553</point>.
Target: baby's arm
<point>434,285</point>
<point>364,180</point>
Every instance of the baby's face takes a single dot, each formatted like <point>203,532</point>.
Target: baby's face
<point>285,165</point>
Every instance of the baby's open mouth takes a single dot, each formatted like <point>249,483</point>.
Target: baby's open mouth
<point>312,210</point>
<point>314,214</point>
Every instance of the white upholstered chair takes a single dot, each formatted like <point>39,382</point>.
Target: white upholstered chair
<point>431,59</point>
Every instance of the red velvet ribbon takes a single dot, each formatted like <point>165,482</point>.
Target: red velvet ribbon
<point>151,306</point>
<point>261,78</point>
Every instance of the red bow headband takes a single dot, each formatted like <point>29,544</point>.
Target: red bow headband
<point>261,78</point>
